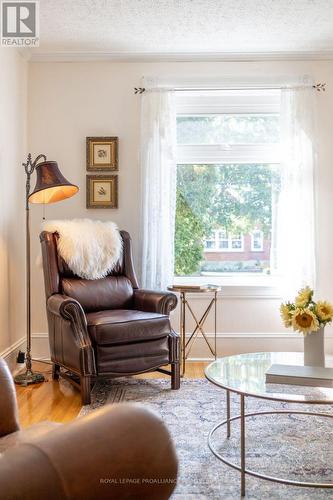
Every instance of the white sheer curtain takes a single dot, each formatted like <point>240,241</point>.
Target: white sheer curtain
<point>295,223</point>
<point>158,187</point>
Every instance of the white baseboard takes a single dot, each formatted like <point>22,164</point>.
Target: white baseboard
<point>40,346</point>
<point>228,343</point>
<point>235,335</point>
<point>11,352</point>
<point>13,347</point>
<point>256,335</point>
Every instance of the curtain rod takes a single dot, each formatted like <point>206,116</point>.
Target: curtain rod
<point>319,87</point>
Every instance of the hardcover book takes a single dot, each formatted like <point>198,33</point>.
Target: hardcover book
<point>313,376</point>
<point>189,287</point>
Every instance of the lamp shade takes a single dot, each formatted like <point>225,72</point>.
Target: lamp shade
<point>51,185</point>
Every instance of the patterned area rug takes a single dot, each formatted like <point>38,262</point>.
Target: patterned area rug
<point>296,447</point>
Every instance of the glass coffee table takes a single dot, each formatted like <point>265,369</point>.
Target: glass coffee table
<point>244,374</point>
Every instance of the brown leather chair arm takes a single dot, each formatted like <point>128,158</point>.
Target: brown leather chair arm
<point>118,452</point>
<point>60,305</point>
<point>8,406</point>
<point>152,301</point>
<point>71,310</point>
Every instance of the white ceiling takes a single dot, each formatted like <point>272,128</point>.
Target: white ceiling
<point>165,27</point>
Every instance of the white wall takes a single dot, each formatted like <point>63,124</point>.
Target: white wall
<point>13,120</point>
<point>69,101</point>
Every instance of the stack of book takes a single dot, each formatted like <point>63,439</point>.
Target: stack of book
<point>195,288</point>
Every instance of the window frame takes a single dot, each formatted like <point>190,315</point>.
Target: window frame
<point>233,102</point>
<point>228,102</point>
<point>261,249</point>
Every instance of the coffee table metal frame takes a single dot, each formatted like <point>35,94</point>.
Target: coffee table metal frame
<point>242,417</point>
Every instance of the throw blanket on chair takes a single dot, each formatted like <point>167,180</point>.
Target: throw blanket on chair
<point>90,248</point>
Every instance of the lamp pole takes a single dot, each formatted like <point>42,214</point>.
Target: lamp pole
<point>29,377</point>
<point>51,186</point>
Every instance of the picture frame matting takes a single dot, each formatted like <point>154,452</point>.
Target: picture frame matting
<point>102,191</point>
<point>102,153</point>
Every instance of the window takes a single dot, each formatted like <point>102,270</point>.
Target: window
<point>237,243</point>
<point>221,241</point>
<point>210,243</point>
<point>228,180</point>
<point>257,241</point>
<point>228,129</point>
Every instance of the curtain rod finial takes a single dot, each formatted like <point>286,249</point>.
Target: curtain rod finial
<point>139,90</point>
<point>320,87</point>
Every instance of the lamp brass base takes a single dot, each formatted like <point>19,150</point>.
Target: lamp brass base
<point>29,377</point>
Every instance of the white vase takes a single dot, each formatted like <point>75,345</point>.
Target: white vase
<point>314,348</point>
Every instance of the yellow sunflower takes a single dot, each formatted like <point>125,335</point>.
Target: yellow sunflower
<point>324,310</point>
<point>285,315</point>
<point>303,297</point>
<point>304,321</point>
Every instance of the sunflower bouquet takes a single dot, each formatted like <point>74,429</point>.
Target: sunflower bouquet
<point>305,315</point>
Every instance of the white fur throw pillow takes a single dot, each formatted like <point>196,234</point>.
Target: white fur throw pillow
<point>90,248</point>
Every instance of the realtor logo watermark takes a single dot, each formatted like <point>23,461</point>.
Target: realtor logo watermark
<point>20,23</point>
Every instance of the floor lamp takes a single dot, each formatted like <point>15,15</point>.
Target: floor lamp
<point>51,186</point>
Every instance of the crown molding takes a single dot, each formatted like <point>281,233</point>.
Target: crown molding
<point>24,53</point>
<point>81,56</point>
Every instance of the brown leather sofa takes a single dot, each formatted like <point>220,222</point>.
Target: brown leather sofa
<point>107,327</point>
<point>122,451</point>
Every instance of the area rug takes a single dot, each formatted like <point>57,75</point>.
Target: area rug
<point>290,446</point>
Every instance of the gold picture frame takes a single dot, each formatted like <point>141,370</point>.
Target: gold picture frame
<point>102,191</point>
<point>102,153</point>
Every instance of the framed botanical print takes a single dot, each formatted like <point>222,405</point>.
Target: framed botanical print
<point>102,153</point>
<point>102,191</point>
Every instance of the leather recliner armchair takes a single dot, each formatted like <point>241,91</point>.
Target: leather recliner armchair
<point>107,327</point>
<point>120,451</point>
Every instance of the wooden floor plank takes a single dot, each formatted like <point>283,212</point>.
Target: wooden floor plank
<point>58,401</point>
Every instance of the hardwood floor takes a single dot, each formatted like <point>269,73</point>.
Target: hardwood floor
<point>60,402</point>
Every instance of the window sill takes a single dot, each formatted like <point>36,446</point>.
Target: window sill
<point>243,286</point>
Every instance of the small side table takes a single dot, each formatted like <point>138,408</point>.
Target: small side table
<point>186,346</point>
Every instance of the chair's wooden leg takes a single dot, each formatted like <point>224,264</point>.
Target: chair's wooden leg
<point>175,376</point>
<point>55,371</point>
<point>85,383</point>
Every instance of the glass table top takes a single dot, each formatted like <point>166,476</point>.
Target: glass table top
<point>245,374</point>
